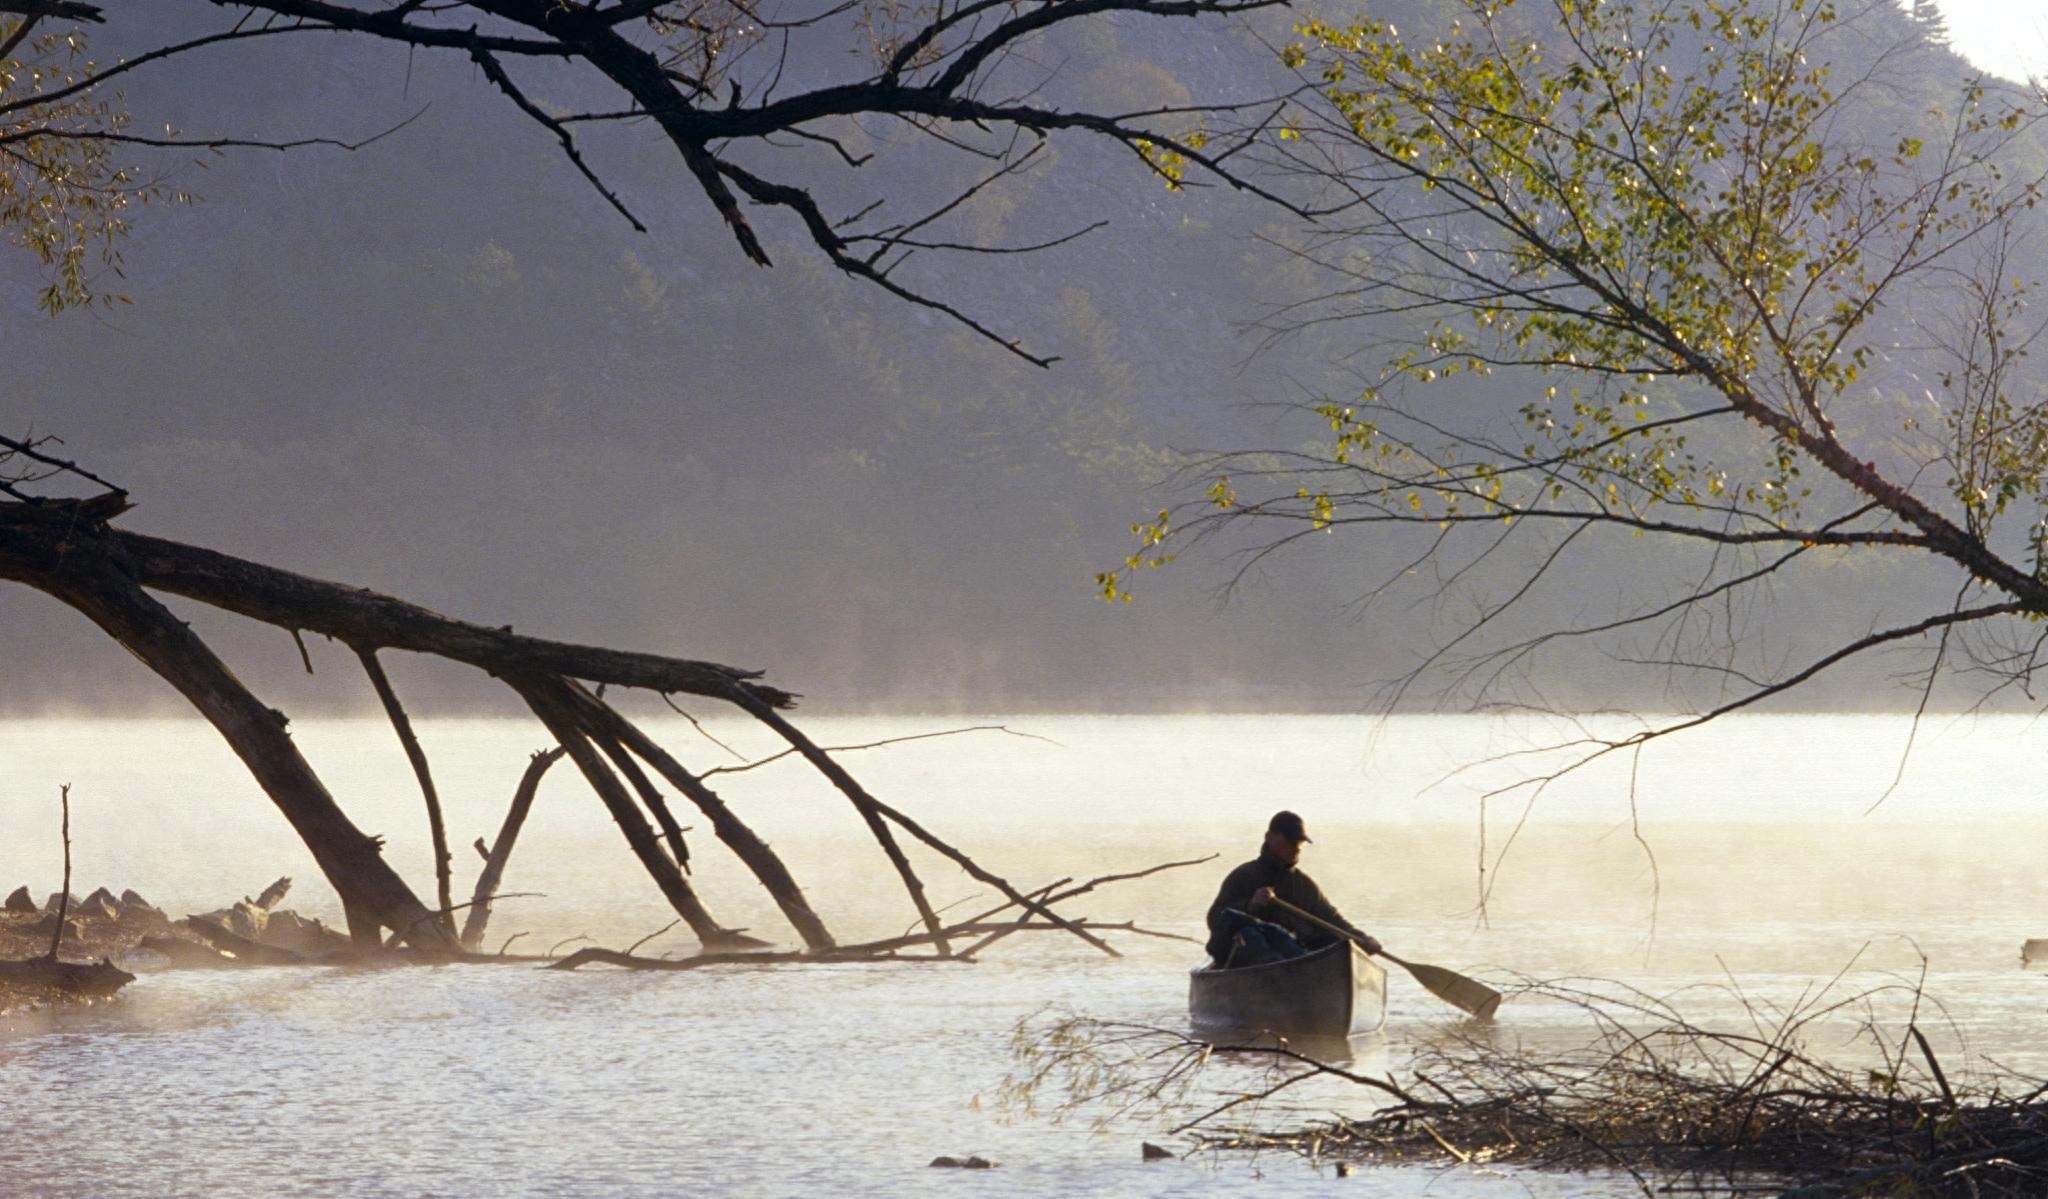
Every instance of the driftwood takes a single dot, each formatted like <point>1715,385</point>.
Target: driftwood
<point>71,980</point>
<point>69,549</point>
<point>890,949</point>
<point>190,955</point>
<point>728,828</point>
<point>253,953</point>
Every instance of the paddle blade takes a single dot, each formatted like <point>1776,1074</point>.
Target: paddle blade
<point>1467,994</point>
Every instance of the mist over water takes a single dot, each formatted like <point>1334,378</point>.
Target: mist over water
<point>439,369</point>
<point>1769,878</point>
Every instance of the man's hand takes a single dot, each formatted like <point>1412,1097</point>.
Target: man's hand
<point>1261,897</point>
<point>1370,944</point>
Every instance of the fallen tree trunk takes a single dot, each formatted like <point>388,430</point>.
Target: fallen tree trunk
<point>66,548</point>
<point>75,561</point>
<point>611,957</point>
<point>863,803</point>
<point>886,950</point>
<point>551,701</point>
<point>726,826</point>
<point>190,955</point>
<point>357,617</point>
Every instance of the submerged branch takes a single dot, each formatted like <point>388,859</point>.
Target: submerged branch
<point>889,950</point>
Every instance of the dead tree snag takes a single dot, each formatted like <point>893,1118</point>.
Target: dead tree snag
<point>68,549</point>
<point>869,810</point>
<point>549,701</point>
<point>728,828</point>
<point>62,550</point>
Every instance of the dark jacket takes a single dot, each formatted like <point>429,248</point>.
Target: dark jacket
<point>1288,884</point>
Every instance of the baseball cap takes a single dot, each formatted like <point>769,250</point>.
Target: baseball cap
<point>1288,825</point>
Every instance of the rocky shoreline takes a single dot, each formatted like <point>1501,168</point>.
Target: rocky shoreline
<point>40,966</point>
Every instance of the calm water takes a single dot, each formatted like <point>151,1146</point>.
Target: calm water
<point>506,1080</point>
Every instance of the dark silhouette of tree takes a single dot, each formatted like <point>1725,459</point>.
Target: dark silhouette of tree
<point>757,103</point>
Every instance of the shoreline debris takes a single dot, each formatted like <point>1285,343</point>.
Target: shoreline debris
<point>1742,1104</point>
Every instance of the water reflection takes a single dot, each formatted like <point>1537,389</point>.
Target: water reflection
<point>510,1081</point>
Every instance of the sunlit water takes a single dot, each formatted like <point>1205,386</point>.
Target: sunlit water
<point>1769,879</point>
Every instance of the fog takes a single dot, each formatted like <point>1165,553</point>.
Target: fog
<point>1802,855</point>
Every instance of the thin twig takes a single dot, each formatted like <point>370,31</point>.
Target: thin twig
<point>64,894</point>
<point>841,749</point>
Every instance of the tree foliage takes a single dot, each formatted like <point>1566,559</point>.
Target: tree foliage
<point>65,195</point>
<point>1653,235</point>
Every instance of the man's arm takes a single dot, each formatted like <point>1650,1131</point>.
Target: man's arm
<point>1320,905</point>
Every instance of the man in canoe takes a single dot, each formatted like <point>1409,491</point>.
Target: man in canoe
<point>1246,929</point>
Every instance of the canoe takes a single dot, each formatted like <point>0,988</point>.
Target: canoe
<point>1335,991</point>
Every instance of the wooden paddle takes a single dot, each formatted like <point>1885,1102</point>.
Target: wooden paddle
<point>1466,994</point>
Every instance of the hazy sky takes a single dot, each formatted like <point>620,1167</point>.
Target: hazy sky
<point>2005,37</point>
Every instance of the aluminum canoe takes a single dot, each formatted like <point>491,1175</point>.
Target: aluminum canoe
<point>1335,991</point>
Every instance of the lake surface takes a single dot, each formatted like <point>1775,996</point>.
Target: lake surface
<point>1770,876</point>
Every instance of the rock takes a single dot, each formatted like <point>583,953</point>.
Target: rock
<point>1343,1169</point>
<point>47,926</point>
<point>1153,1153</point>
<point>104,896</point>
<point>97,906</point>
<point>289,930</point>
<point>963,1163</point>
<point>50,904</point>
<point>20,903</point>
<point>144,916</point>
<point>138,911</point>
<point>245,920</point>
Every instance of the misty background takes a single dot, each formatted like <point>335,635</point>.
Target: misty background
<point>441,367</point>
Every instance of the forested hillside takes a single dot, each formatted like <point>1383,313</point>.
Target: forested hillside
<point>440,366</point>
